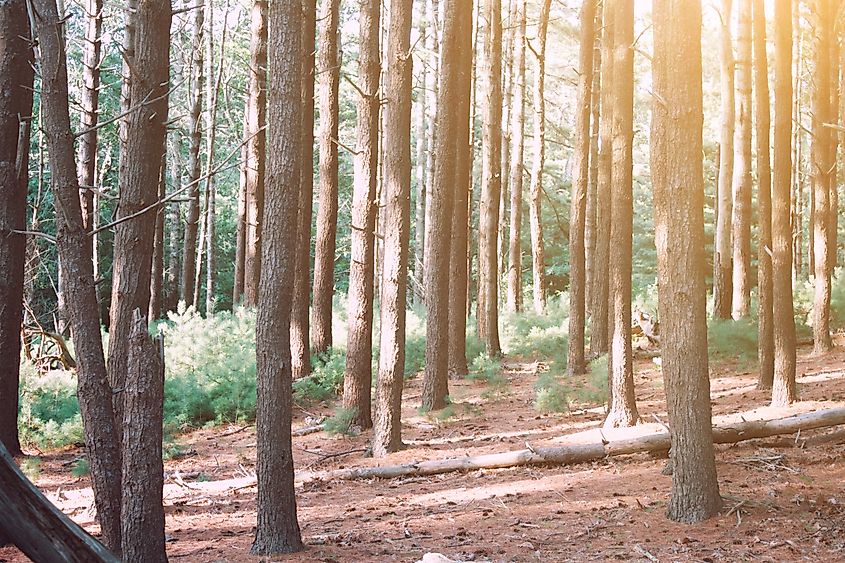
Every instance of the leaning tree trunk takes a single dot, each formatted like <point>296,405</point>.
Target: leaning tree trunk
<point>73,244</point>
<point>278,529</point>
<point>514,302</point>
<point>16,80</point>
<point>722,287</point>
<point>357,379</point>
<point>783,390</point>
<point>623,404</point>
<point>387,423</point>
<point>576,363</point>
<point>676,149</point>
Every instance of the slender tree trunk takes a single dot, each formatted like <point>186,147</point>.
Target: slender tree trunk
<point>420,166</point>
<point>821,167</point>
<point>278,529</point>
<point>459,249</point>
<point>300,315</point>
<point>741,220</point>
<point>623,404</point>
<point>174,228</point>
<point>357,381</point>
<point>240,229</point>
<point>509,32</point>
<point>157,272</point>
<point>387,423</point>
<point>538,251</point>
<point>592,183</point>
<point>576,363</point>
<point>73,244</point>
<point>431,85</point>
<point>784,390</point>
<point>90,101</point>
<point>835,117</point>
<point>722,281</point>
<point>328,73</point>
<point>16,81</point>
<point>516,174</point>
<point>676,149</point>
<point>765,338</point>
<point>599,330</point>
<point>797,177</point>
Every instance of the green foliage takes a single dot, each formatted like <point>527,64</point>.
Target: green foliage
<point>540,337</point>
<point>551,394</point>
<point>326,378</point>
<point>340,422</point>
<point>31,467</point>
<point>487,369</point>
<point>80,468</point>
<point>49,412</point>
<point>733,340</point>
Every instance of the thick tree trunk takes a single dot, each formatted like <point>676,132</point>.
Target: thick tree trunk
<point>765,346</point>
<point>623,404</point>
<point>576,363</point>
<point>73,244</point>
<point>143,470</point>
<point>16,80</point>
<point>722,281</point>
<point>358,377</point>
<point>677,171</point>
<point>538,251</point>
<point>741,220</point>
<point>278,529</point>
<point>784,389</point>
<point>387,423</point>
<point>514,302</point>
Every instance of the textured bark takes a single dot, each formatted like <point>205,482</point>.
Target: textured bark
<point>358,377</point>
<point>387,423</point>
<point>722,281</point>
<point>143,470</point>
<point>431,85</point>
<point>73,244</point>
<point>300,340</point>
<point>623,404</point>
<point>197,80</point>
<point>765,339</point>
<point>278,529</point>
<point>141,165</point>
<point>677,171</point>
<point>741,220</point>
<point>90,101</point>
<point>16,80</point>
<point>784,389</point>
<point>599,330</point>
<point>458,264</point>
<point>576,363</point>
<point>157,270</point>
<point>820,170</point>
<point>514,302</point>
<point>538,251</point>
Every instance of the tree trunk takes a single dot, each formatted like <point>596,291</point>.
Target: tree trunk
<point>431,84</point>
<point>722,281</point>
<point>278,529</point>
<point>300,339</point>
<point>16,81</point>
<point>174,228</point>
<point>358,377</point>
<point>741,220</point>
<point>240,229</point>
<point>676,149</point>
<point>143,470</point>
<point>821,166</point>
<point>90,101</point>
<point>835,117</point>
<point>420,168</point>
<point>797,177</point>
<point>599,330</point>
<point>458,264</point>
<point>387,423</point>
<point>328,73</point>
<point>765,346</point>
<point>73,244</point>
<point>145,134</point>
<point>509,33</point>
<point>538,251</point>
<point>576,363</point>
<point>623,403</point>
<point>784,390</point>
<point>157,271</point>
<point>516,174</point>
<point>592,183</point>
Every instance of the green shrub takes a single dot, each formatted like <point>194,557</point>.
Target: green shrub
<point>487,369</point>
<point>49,412</point>
<point>80,468</point>
<point>340,422</point>
<point>551,395</point>
<point>326,379</point>
<point>31,467</point>
<point>540,337</point>
<point>733,340</point>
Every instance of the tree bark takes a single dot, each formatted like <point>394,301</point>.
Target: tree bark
<point>722,280</point>
<point>514,270</point>
<point>143,470</point>
<point>387,424</point>
<point>73,244</point>
<point>576,363</point>
<point>357,381</point>
<point>592,183</point>
<point>157,270</point>
<point>677,170</point>
<point>90,101</point>
<point>278,530</point>
<point>431,85</point>
<point>421,150</point>
<point>765,346</point>
<point>623,404</point>
<point>797,177</point>
<point>784,389</point>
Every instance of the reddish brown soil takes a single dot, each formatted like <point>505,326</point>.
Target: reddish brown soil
<point>789,509</point>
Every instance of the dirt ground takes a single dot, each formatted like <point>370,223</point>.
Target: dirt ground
<point>784,499</point>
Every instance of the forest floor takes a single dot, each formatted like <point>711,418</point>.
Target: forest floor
<point>784,498</point>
